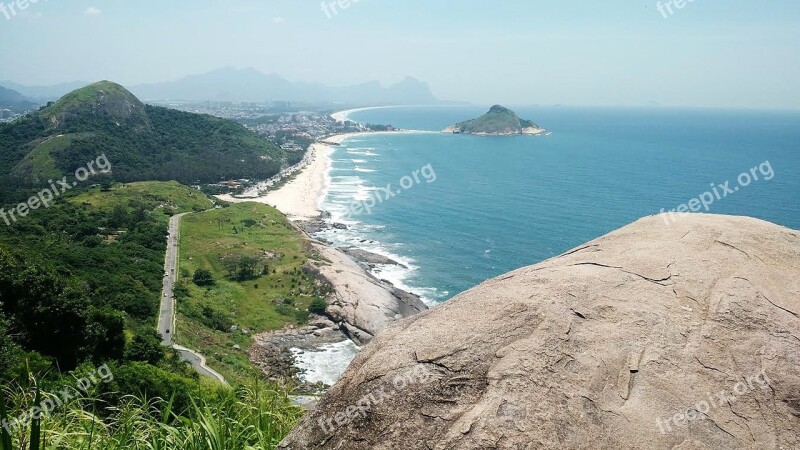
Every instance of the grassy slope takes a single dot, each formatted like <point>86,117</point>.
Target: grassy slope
<point>39,163</point>
<point>208,236</point>
<point>159,195</point>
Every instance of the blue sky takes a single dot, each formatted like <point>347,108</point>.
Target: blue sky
<point>718,53</point>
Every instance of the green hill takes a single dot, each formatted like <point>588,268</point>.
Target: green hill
<point>141,142</point>
<point>498,121</point>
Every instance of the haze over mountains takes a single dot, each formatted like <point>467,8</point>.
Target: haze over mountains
<point>43,94</point>
<point>250,85</point>
<point>14,101</point>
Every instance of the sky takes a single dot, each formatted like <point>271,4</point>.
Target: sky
<point>709,53</point>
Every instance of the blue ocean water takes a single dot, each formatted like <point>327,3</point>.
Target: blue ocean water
<point>500,203</point>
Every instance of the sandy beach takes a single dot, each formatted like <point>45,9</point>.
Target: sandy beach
<point>342,116</point>
<point>361,304</point>
<point>300,198</point>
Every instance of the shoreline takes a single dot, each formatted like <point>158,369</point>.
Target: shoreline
<point>341,116</point>
<point>362,305</point>
<point>301,197</point>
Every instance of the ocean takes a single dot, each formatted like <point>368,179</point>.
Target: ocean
<point>463,209</point>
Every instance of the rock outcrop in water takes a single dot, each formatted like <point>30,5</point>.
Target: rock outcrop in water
<point>499,121</point>
<point>653,336</point>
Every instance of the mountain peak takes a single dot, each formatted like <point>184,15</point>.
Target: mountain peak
<point>104,100</point>
<point>498,109</point>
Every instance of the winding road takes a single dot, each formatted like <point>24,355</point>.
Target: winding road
<point>166,314</point>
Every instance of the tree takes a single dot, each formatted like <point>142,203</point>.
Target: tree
<point>107,334</point>
<point>145,346</point>
<point>231,264</point>
<point>7,351</point>
<point>203,277</point>
<point>119,216</point>
<point>47,309</point>
<point>247,267</point>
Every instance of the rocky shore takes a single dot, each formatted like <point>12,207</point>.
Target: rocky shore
<point>359,307</point>
<point>271,351</point>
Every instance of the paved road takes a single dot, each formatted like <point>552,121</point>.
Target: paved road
<point>166,315</point>
<point>198,361</point>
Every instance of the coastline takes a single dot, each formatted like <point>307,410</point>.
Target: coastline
<point>361,305</point>
<point>301,197</point>
<point>342,116</point>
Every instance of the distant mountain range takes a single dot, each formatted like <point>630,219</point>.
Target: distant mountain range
<point>43,94</point>
<point>250,85</point>
<point>14,101</point>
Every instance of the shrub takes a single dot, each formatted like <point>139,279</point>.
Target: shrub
<point>203,277</point>
<point>318,306</point>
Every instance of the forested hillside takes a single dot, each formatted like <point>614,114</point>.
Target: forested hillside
<point>141,142</point>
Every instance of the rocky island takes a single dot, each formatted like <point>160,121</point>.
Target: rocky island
<point>499,121</point>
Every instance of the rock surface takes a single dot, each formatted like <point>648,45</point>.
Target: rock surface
<point>606,346</point>
<point>271,354</point>
<point>363,304</point>
<point>368,259</point>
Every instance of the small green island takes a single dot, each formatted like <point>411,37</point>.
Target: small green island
<point>499,121</point>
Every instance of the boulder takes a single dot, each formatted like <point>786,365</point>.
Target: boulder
<point>363,302</point>
<point>657,335</point>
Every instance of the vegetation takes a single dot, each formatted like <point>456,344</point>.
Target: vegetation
<point>166,197</point>
<point>499,120</point>
<point>100,300</point>
<point>318,306</point>
<point>379,127</point>
<point>255,258</point>
<point>98,304</point>
<point>255,416</point>
<point>80,280</point>
<point>141,142</point>
<point>203,277</point>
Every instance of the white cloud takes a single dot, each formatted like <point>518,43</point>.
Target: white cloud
<point>92,11</point>
<point>279,20</point>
